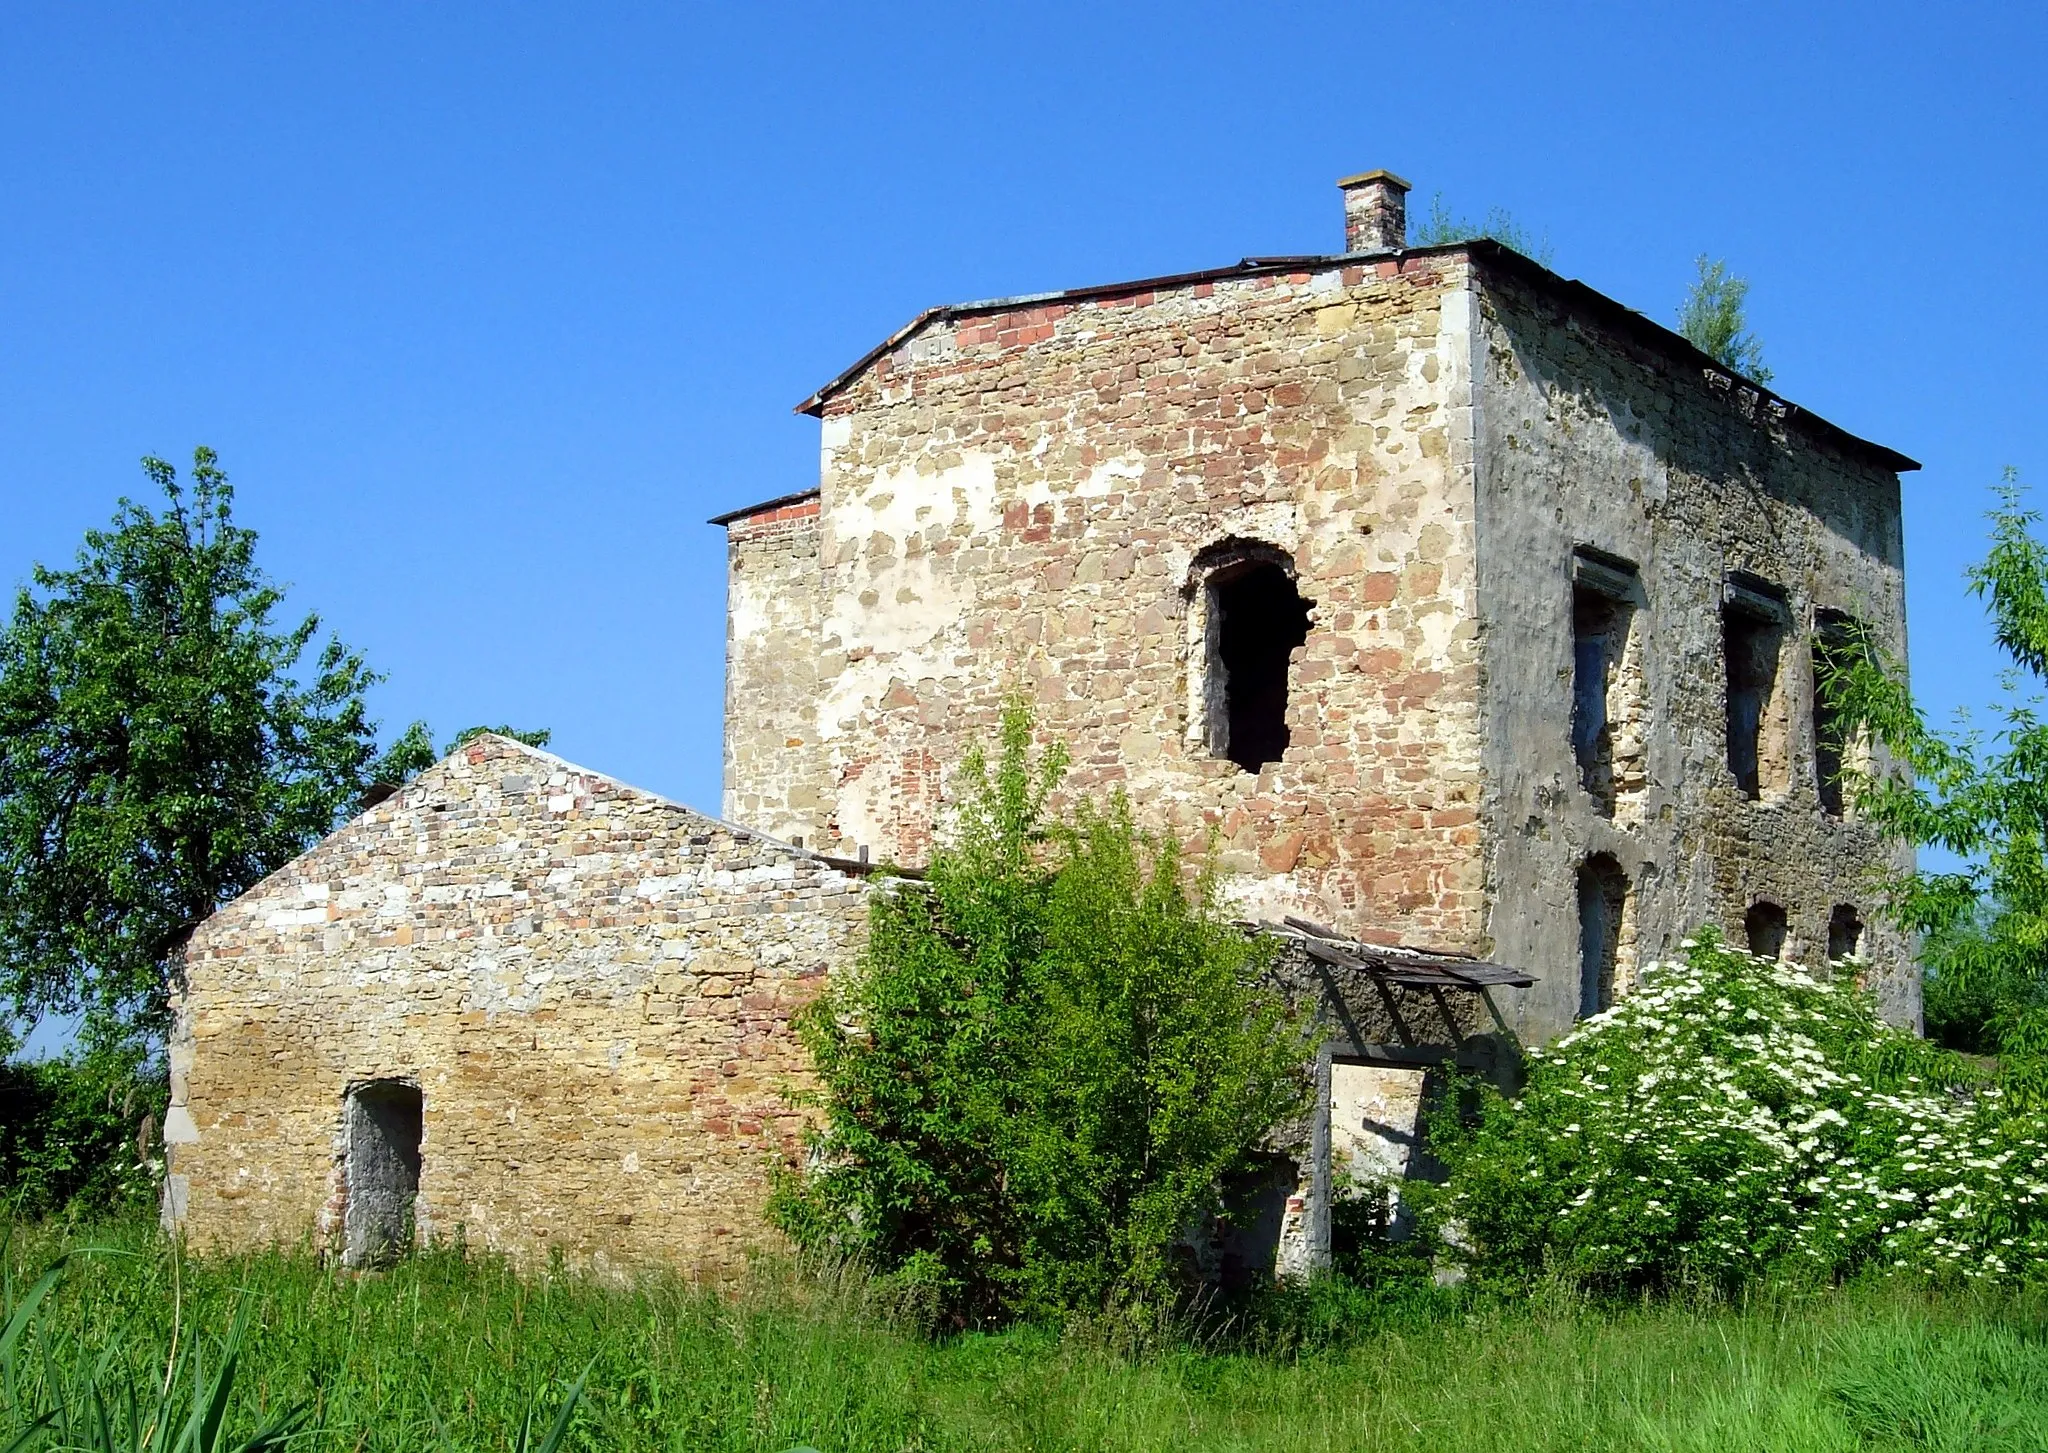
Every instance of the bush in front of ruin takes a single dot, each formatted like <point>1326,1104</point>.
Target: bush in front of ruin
<point>1052,1055</point>
<point>1737,1119</point>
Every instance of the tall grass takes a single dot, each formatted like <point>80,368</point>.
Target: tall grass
<point>450,1353</point>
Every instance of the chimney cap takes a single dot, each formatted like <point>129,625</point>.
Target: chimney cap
<point>1382,175</point>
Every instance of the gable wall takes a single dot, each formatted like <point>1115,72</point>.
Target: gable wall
<point>1587,439</point>
<point>590,986</point>
<point>1011,502</point>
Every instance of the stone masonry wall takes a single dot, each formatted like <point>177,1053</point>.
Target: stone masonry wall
<point>1012,501</point>
<point>773,761</point>
<point>1586,439</point>
<point>590,986</point>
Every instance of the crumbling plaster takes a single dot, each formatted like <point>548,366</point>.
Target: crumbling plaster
<point>1587,440</point>
<point>1013,503</point>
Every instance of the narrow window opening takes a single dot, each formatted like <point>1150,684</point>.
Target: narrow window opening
<point>1764,926</point>
<point>1835,635</point>
<point>1256,620</point>
<point>1593,622</point>
<point>1845,932</point>
<point>1603,704</point>
<point>383,1121</point>
<point>1753,636</point>
<point>1603,895</point>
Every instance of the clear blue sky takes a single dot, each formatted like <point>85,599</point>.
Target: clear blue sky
<point>487,307</point>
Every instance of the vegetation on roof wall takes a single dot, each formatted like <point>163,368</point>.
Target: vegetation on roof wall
<point>1442,226</point>
<point>1714,319</point>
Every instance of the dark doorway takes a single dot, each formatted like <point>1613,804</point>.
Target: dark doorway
<point>383,1121</point>
<point>1765,927</point>
<point>1256,620</point>
<point>1255,1214</point>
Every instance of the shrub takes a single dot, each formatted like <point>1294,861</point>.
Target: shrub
<point>79,1132</point>
<point>1050,1057</point>
<point>1736,1118</point>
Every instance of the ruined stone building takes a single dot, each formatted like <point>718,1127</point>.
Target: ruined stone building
<point>1466,608</point>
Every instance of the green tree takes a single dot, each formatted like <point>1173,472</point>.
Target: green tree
<point>1983,800</point>
<point>159,752</point>
<point>1713,319</point>
<point>412,750</point>
<point>1050,1058</point>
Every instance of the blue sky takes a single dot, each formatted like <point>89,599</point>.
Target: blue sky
<point>486,308</point>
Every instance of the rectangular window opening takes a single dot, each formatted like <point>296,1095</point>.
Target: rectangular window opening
<point>1845,931</point>
<point>1607,739</point>
<point>1834,633</point>
<point>1765,927</point>
<point>1603,897</point>
<point>1753,637</point>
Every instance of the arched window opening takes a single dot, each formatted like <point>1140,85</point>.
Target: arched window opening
<point>1764,926</point>
<point>1845,932</point>
<point>1255,619</point>
<point>382,1123</point>
<point>1603,896</point>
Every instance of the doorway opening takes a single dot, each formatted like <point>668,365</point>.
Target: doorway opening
<point>382,1123</point>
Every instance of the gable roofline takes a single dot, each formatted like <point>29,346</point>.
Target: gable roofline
<point>541,754</point>
<point>358,823</point>
<point>851,867</point>
<point>1485,250</point>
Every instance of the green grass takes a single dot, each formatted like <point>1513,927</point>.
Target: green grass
<point>443,1353</point>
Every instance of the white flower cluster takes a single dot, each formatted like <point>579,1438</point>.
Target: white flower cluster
<point>1738,1116</point>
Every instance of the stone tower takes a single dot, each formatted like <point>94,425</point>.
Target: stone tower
<point>1467,607</point>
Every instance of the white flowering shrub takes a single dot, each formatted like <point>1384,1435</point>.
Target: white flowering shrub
<point>1737,1118</point>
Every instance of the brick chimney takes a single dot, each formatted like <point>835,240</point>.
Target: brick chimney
<point>1375,212</point>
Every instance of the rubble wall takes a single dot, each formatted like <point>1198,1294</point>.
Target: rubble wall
<point>773,764</point>
<point>590,986</point>
<point>1016,500</point>
<point>1588,439</point>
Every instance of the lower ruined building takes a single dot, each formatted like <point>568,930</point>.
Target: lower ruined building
<point>1472,615</point>
<point>515,1003</point>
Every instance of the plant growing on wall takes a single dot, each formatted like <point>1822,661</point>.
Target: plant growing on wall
<point>1442,225</point>
<point>1714,319</point>
<point>1052,1054</point>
